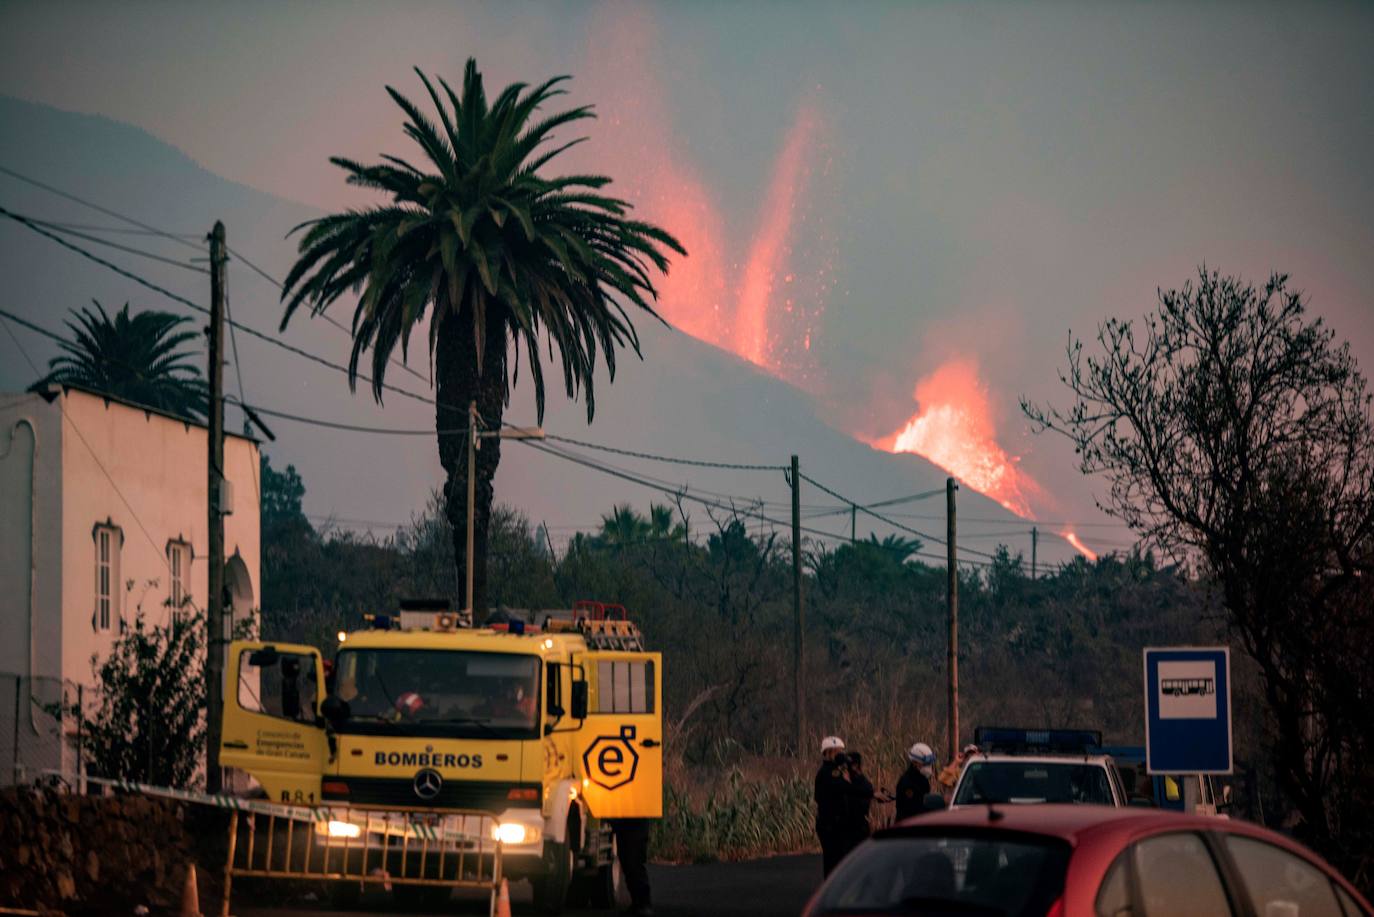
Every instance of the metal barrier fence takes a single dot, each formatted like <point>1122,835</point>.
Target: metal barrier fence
<point>368,845</point>
<point>35,739</point>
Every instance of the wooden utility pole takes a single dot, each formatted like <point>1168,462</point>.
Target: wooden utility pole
<point>952,560</point>
<point>853,521</point>
<point>469,607</point>
<point>214,483</point>
<point>1035,547</point>
<point>800,698</point>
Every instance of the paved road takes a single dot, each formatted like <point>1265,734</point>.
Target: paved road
<point>774,887</point>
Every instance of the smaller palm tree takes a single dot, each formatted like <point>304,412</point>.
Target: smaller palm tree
<point>134,357</point>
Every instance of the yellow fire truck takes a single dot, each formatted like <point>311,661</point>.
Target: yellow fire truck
<point>552,726</point>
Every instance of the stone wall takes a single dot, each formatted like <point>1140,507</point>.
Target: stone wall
<point>106,854</point>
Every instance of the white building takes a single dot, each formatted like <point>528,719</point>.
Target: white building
<point>102,515</point>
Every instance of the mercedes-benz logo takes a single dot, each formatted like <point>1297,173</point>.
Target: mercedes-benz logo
<point>427,783</point>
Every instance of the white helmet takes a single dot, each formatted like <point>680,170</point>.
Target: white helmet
<point>831,742</point>
<point>921,754</point>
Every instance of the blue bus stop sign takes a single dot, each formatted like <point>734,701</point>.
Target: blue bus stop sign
<point>1188,710</point>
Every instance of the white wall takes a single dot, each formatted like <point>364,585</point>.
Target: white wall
<point>146,474</point>
<point>30,535</point>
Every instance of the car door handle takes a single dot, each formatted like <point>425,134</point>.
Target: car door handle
<point>650,743</point>
<point>243,745</point>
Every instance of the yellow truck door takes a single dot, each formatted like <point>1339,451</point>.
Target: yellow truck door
<point>271,715</point>
<point>619,753</point>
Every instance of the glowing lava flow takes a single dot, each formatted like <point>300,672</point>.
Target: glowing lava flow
<point>954,429</point>
<point>1080,547</point>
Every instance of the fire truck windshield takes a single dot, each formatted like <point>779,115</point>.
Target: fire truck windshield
<point>439,692</point>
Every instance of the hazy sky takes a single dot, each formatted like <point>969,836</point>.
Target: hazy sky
<point>871,192</point>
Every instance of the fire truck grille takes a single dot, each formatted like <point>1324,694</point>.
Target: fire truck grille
<point>486,797</point>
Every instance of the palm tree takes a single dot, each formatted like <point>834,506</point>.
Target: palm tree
<point>134,357</point>
<point>623,526</point>
<point>499,258</point>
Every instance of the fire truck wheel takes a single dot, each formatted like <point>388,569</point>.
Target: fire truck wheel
<point>606,887</point>
<point>551,887</point>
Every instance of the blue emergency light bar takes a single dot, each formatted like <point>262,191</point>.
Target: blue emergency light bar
<point>1021,741</point>
<point>379,622</point>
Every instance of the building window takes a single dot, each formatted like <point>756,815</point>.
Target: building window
<point>108,541</point>
<point>179,576</point>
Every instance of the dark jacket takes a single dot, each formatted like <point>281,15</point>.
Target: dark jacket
<point>912,788</point>
<point>832,792</point>
<point>859,799</point>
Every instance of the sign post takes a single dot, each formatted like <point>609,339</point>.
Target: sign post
<point>1188,710</point>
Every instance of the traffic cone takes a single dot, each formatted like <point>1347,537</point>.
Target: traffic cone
<point>190,894</point>
<point>503,900</point>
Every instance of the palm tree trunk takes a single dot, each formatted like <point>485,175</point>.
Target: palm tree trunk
<point>458,382</point>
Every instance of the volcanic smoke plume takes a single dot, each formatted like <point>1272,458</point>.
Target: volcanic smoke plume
<point>767,308</point>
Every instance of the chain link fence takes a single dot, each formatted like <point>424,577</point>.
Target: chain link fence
<point>40,729</point>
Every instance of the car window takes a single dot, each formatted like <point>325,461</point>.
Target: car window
<point>1177,878</point>
<point>933,873</point>
<point>1279,883</point>
<point>1114,897</point>
<point>1034,781</point>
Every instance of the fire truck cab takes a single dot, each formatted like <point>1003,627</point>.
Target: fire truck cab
<point>552,725</point>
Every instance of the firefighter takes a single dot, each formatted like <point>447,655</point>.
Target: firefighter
<point>632,849</point>
<point>858,802</point>
<point>832,786</point>
<point>949,776</point>
<point>914,784</point>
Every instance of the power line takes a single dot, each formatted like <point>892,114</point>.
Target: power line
<point>105,210</point>
<point>160,552</point>
<point>348,427</point>
<point>684,494</point>
<point>884,519</point>
<point>675,460</point>
<point>124,248</point>
<point>329,319</point>
<point>116,230</point>
<point>180,238</point>
<point>923,495</point>
<point>142,281</point>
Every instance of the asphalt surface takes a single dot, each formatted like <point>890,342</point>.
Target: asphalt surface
<point>773,887</point>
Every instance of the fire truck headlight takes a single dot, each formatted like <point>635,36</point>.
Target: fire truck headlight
<point>514,833</point>
<point>344,829</point>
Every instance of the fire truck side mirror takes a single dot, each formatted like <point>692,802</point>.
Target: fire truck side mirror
<point>335,710</point>
<point>579,699</point>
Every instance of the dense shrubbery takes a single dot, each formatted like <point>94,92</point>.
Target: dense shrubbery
<point>1059,650</point>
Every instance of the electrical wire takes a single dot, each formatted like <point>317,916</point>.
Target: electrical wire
<point>697,463</point>
<point>329,319</point>
<point>57,227</point>
<point>348,427</point>
<point>105,210</point>
<point>142,281</point>
<point>884,519</point>
<point>731,508</point>
<point>160,552</point>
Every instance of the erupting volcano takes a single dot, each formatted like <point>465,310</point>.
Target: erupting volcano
<point>954,429</point>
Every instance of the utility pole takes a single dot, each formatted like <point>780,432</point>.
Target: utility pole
<point>953,665</point>
<point>468,607</point>
<point>853,518</point>
<point>475,437</point>
<point>214,620</point>
<point>1035,546</point>
<point>800,699</point>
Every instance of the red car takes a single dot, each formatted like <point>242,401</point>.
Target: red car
<point>1083,861</point>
